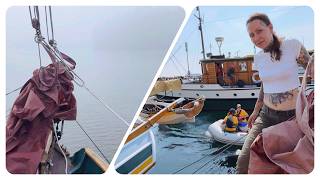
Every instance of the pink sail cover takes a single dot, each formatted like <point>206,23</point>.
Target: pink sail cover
<point>45,97</point>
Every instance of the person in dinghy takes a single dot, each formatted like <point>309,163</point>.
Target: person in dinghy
<point>242,116</point>
<point>231,121</point>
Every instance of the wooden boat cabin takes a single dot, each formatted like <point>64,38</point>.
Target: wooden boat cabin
<point>229,71</point>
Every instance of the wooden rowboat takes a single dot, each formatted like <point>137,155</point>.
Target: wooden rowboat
<point>138,155</point>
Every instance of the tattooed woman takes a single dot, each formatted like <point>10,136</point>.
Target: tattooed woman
<point>277,64</point>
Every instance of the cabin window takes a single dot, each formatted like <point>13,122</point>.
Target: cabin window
<point>243,66</point>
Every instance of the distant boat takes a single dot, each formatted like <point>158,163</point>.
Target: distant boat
<point>217,86</point>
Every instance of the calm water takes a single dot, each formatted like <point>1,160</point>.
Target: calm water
<point>180,145</point>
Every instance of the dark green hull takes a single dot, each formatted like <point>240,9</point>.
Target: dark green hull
<point>85,161</point>
<point>226,104</point>
<point>222,104</point>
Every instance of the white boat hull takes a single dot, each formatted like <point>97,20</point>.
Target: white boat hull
<point>214,91</point>
<point>220,98</point>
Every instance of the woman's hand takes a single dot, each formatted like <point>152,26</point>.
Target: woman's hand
<point>252,119</point>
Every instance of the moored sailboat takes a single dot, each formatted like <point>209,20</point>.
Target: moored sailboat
<point>35,123</point>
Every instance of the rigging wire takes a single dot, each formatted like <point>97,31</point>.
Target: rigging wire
<point>198,160</point>
<point>107,106</point>
<point>30,14</point>
<point>50,13</point>
<point>10,92</point>
<point>36,13</point>
<point>172,56</point>
<point>82,84</point>
<point>185,70</point>
<point>45,10</point>
<point>39,54</point>
<point>186,40</point>
<point>182,44</point>
<point>35,21</point>
<point>214,157</point>
<point>177,67</point>
<point>93,142</point>
<point>226,146</point>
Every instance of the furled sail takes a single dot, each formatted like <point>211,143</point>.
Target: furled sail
<point>167,85</point>
<point>45,97</point>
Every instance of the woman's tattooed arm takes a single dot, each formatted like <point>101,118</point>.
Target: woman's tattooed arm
<point>303,57</point>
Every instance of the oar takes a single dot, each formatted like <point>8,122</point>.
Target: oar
<point>152,120</point>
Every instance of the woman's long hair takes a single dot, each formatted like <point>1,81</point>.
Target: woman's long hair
<point>274,48</point>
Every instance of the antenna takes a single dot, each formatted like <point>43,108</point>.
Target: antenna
<point>237,52</point>
<point>219,41</point>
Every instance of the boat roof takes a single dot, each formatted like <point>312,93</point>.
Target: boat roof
<point>222,59</point>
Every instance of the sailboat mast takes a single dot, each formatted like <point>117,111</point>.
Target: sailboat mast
<point>201,33</point>
<point>186,46</point>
